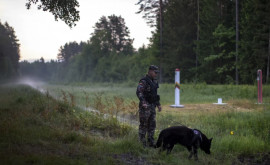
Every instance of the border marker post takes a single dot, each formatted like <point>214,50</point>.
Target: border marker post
<point>177,90</point>
<point>220,102</point>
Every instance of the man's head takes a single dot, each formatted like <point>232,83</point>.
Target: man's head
<point>153,71</point>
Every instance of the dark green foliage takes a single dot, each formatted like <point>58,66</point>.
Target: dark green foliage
<point>9,52</point>
<point>111,35</point>
<point>255,34</point>
<point>216,41</point>
<point>61,9</point>
<point>69,50</point>
<point>39,69</point>
<point>151,10</point>
<point>220,64</point>
<point>178,39</point>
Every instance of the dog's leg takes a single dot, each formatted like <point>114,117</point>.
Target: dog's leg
<point>169,148</point>
<point>190,151</point>
<point>164,146</point>
<point>195,153</point>
<point>195,149</point>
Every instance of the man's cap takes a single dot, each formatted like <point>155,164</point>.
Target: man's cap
<point>154,68</point>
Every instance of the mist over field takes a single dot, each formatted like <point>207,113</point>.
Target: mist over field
<point>33,82</point>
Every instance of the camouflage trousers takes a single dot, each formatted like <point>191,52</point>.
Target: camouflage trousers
<point>147,117</point>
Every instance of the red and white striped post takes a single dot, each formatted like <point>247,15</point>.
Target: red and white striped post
<point>177,90</point>
<point>259,79</point>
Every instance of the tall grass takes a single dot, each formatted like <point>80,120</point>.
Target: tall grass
<point>190,93</point>
<point>249,126</point>
<point>203,93</point>
<point>38,129</point>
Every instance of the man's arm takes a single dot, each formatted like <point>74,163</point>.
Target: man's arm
<point>158,100</point>
<point>140,90</point>
<point>158,105</point>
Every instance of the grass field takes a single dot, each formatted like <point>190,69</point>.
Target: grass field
<point>39,129</point>
<point>190,93</point>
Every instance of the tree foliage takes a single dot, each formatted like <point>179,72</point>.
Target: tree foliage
<point>69,50</point>
<point>178,38</point>
<point>255,38</point>
<point>9,52</point>
<point>61,9</point>
<point>111,34</point>
<point>151,10</point>
<point>39,69</point>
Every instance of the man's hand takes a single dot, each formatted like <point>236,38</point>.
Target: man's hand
<point>159,108</point>
<point>144,105</point>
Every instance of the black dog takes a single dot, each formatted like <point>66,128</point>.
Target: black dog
<point>190,138</point>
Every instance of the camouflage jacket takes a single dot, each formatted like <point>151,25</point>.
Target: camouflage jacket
<point>147,91</point>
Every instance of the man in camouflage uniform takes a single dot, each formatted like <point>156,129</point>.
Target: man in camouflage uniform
<point>149,100</point>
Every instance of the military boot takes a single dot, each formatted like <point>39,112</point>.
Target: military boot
<point>151,144</point>
<point>142,140</point>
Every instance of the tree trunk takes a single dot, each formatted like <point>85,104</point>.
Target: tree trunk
<point>220,11</point>
<point>161,39</point>
<point>198,37</point>
<point>268,63</point>
<point>236,42</point>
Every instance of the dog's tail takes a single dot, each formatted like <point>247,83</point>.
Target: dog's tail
<point>160,140</point>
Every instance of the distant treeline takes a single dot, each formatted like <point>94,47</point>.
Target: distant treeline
<point>198,37</point>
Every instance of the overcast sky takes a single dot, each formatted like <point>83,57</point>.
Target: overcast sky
<point>41,36</point>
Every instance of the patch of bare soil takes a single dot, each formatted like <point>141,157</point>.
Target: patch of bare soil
<point>259,159</point>
<point>129,159</point>
<point>209,108</point>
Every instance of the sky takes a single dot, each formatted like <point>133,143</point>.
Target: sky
<point>41,36</point>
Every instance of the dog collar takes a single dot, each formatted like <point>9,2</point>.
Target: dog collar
<point>196,132</point>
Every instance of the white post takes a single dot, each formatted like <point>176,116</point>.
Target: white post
<point>219,102</point>
<point>177,87</point>
<point>177,90</point>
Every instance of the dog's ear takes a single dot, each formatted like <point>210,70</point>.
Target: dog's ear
<point>210,140</point>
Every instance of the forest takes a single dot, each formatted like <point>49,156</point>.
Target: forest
<point>213,42</point>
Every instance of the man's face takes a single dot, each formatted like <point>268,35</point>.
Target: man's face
<point>153,74</point>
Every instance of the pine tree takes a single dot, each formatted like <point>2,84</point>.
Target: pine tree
<point>255,30</point>
<point>69,50</point>
<point>216,25</point>
<point>9,52</point>
<point>111,35</point>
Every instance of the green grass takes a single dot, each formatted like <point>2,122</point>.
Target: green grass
<point>190,93</point>
<point>202,93</point>
<point>38,129</point>
<point>251,129</point>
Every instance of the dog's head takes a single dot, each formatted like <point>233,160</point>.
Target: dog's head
<point>206,145</point>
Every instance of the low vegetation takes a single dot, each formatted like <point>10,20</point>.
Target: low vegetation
<point>37,128</point>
